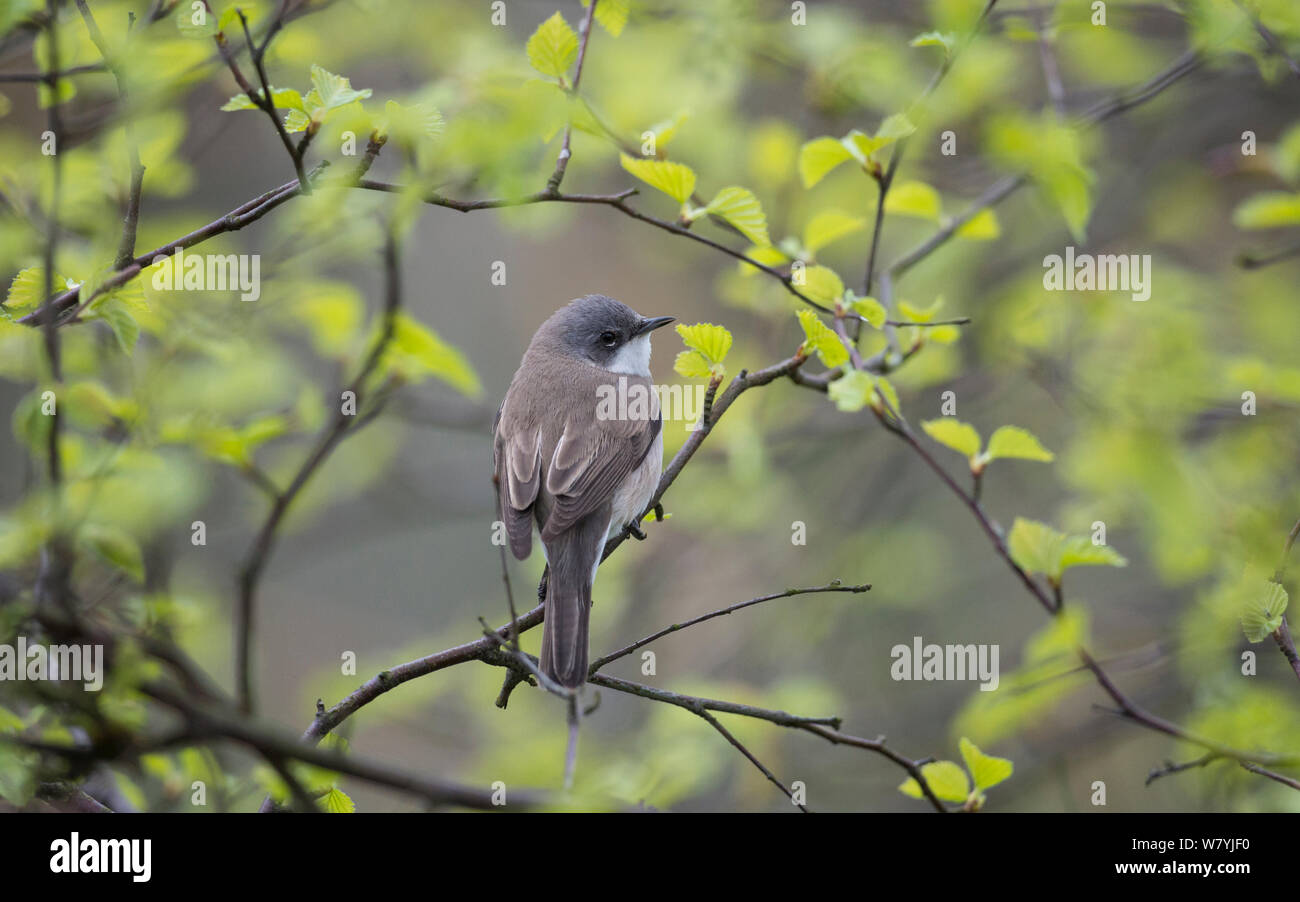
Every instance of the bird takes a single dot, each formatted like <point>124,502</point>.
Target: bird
<point>563,464</point>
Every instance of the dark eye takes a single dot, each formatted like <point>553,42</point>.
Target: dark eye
<point>608,339</point>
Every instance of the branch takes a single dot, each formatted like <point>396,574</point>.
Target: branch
<point>562,161</point>
<point>832,586</point>
<point>131,222</point>
<point>259,552</point>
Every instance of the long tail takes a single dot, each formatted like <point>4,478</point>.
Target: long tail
<point>572,556</point>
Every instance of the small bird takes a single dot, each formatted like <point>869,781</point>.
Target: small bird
<point>562,462</point>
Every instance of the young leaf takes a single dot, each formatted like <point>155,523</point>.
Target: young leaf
<point>871,310</point>
<point>674,179</point>
<point>611,14</point>
<point>829,226</point>
<point>1012,441</point>
<point>818,157</point>
<point>852,391</point>
<point>822,284</point>
<point>417,351</point>
<point>946,779</point>
<point>691,364</point>
<point>741,208</point>
<point>712,341</point>
<point>334,91</point>
<point>985,770</point>
<point>25,290</point>
<point>1034,546</point>
<point>553,47</point>
<point>914,199</point>
<point>822,340</point>
<point>946,40</point>
<point>983,226</point>
<point>336,801</point>
<point>1079,551</point>
<point>1268,210</point>
<point>960,437</point>
<point>281,98</point>
<point>1262,613</point>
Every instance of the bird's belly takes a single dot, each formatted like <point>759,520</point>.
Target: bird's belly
<point>637,488</point>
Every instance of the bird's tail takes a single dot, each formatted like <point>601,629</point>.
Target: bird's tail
<point>573,557</point>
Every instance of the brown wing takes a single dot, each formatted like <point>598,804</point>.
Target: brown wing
<point>517,465</point>
<point>590,461</point>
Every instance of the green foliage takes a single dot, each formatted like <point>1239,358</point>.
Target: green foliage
<point>820,339</point>
<point>1006,442</point>
<point>820,155</point>
<point>950,783</point>
<point>706,349</point>
<point>553,47</point>
<point>1053,154</point>
<point>741,208</point>
<point>1037,548</point>
<point>674,179</point>
<point>1263,611</point>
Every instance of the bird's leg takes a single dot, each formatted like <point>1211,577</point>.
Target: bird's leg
<point>541,585</point>
<point>659,512</point>
<point>634,530</point>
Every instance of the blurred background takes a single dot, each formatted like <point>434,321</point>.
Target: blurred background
<point>387,554</point>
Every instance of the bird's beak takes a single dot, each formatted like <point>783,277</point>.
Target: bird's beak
<point>649,325</point>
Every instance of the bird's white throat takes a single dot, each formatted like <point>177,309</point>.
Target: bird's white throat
<point>633,358</point>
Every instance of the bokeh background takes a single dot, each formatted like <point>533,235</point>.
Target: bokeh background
<point>388,553</point>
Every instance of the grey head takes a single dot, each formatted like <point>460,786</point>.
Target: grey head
<point>601,331</point>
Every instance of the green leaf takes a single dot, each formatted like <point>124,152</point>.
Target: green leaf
<point>1079,551</point>
<point>1268,210</point>
<point>1034,546</point>
<point>983,226</point>
<point>417,351</point>
<point>26,288</point>
<point>334,91</point>
<point>1262,613</point>
<point>336,801</point>
<point>611,14</point>
<point>822,284</point>
<point>961,437</point>
<point>946,40</point>
<point>281,98</point>
<point>985,770</point>
<point>712,341</point>
<point>674,179</point>
<point>553,47</point>
<point>871,310</point>
<point>1052,153</point>
<point>410,124</point>
<point>822,340</point>
<point>691,364</point>
<point>895,127</point>
<point>946,779</point>
<point>829,226</point>
<point>741,208</point>
<point>914,199</point>
<point>852,391</point>
<point>1037,548</point>
<point>117,314</point>
<point>1012,441</point>
<point>117,548</point>
<point>818,157</point>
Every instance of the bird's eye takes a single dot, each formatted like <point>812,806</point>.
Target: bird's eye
<point>608,339</point>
